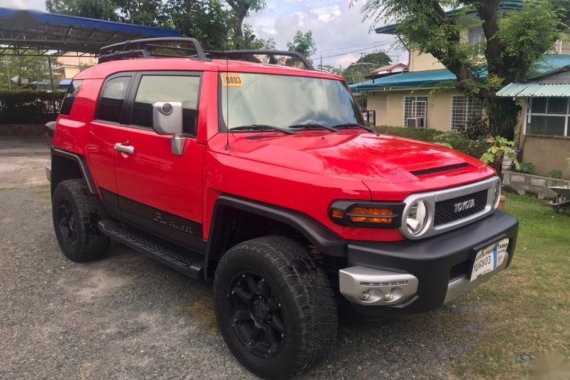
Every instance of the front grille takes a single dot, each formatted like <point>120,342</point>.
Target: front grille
<point>450,210</point>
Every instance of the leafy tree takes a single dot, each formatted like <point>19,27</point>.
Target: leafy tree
<point>206,20</point>
<point>515,40</point>
<point>240,10</point>
<point>100,9</point>
<point>303,43</point>
<point>143,12</point>
<point>357,71</point>
<point>26,68</point>
<point>217,24</point>
<point>330,69</point>
<point>250,41</point>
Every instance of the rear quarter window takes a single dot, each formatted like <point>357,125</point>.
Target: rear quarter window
<point>112,99</point>
<point>70,96</point>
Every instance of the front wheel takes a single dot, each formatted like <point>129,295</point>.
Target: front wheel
<point>275,308</point>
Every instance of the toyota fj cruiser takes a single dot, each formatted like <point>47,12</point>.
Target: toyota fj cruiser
<point>261,177</point>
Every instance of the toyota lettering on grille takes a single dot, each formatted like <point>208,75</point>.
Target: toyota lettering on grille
<point>463,206</point>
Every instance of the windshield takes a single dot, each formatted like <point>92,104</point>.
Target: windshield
<point>285,101</point>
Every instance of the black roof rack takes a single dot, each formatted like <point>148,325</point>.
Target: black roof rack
<point>153,47</point>
<point>249,55</point>
<point>184,47</point>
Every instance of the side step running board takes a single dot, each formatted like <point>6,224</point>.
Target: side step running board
<point>184,261</point>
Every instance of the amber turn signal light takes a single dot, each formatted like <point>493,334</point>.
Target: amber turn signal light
<point>371,215</point>
<point>367,214</point>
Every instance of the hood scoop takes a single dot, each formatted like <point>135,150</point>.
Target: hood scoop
<point>440,169</point>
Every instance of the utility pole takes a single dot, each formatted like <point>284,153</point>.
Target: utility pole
<point>7,62</point>
<point>50,72</point>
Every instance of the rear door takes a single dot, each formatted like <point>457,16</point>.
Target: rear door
<point>157,190</point>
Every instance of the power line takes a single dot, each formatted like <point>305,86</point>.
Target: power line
<point>349,47</point>
<point>357,50</point>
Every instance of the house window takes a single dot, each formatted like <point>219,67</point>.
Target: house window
<point>548,116</point>
<point>415,111</point>
<point>477,39</point>
<point>464,111</point>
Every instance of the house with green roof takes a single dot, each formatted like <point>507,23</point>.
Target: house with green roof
<point>426,96</point>
<point>544,136</point>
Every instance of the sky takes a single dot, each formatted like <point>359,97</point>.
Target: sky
<point>340,33</point>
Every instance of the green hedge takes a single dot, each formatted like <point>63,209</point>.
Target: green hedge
<point>455,139</point>
<point>29,107</point>
<point>410,133</point>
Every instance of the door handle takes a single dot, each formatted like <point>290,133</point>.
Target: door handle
<point>127,149</point>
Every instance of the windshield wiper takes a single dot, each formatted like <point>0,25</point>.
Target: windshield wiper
<point>262,127</point>
<point>312,126</point>
<point>353,125</point>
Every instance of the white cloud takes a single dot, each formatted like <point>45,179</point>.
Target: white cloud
<point>339,32</point>
<point>23,4</point>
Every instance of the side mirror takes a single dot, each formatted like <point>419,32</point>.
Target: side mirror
<point>167,118</point>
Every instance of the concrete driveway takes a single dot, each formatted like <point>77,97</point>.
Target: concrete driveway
<point>128,317</point>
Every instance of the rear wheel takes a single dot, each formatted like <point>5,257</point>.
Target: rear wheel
<point>76,213</point>
<point>275,308</point>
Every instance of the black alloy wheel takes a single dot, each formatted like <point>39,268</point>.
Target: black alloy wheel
<point>256,313</point>
<point>75,213</point>
<point>275,308</point>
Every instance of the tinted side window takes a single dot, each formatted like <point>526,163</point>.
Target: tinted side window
<point>165,88</point>
<point>112,99</point>
<point>69,98</point>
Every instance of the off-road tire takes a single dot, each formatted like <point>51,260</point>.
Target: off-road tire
<point>306,301</point>
<point>75,213</point>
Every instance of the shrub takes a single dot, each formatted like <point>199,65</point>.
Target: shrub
<point>29,107</point>
<point>476,129</point>
<point>410,133</point>
<point>455,139</point>
<point>556,174</point>
<point>500,148</point>
<point>526,167</point>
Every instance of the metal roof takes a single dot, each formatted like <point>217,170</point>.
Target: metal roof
<point>442,78</point>
<point>504,5</point>
<point>22,30</point>
<point>407,80</point>
<point>534,90</point>
<point>540,86</point>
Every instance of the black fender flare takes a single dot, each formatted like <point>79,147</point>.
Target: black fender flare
<point>325,240</point>
<point>82,166</point>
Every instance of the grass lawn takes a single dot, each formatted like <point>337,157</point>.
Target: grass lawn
<point>529,304</point>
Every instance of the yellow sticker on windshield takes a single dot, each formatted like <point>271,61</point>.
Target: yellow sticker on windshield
<point>231,80</point>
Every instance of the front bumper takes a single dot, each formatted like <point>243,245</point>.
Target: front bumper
<point>433,271</point>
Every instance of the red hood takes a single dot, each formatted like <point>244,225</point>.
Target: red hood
<point>381,162</point>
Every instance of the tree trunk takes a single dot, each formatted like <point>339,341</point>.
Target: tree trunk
<point>503,116</point>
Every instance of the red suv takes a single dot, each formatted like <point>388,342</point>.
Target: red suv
<point>263,178</point>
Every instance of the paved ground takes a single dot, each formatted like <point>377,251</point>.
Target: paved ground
<point>127,317</point>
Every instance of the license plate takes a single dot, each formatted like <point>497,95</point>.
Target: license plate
<point>489,258</point>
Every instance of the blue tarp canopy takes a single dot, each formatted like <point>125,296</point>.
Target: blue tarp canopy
<point>24,30</point>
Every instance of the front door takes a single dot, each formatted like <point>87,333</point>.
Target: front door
<point>158,191</point>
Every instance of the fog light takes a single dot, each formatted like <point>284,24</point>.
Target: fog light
<point>395,294</point>
<point>365,295</point>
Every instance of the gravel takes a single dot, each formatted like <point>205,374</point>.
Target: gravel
<point>128,317</point>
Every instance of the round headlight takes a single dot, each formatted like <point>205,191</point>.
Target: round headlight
<point>417,218</point>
